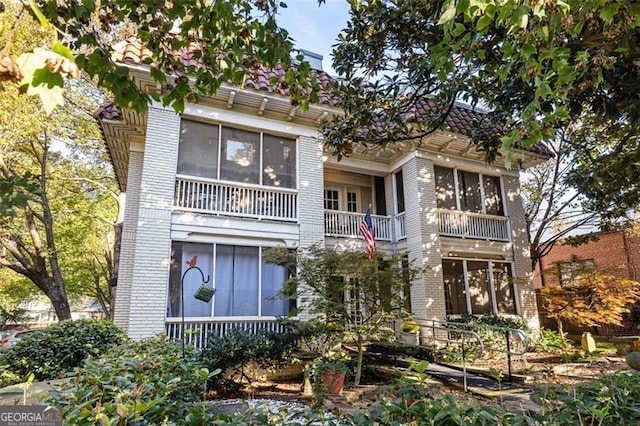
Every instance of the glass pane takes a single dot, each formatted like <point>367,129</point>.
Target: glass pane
<point>470,199</point>
<point>493,196</point>
<point>455,298</point>
<point>240,156</point>
<point>445,188</point>
<point>399,192</point>
<point>352,202</point>
<point>273,278</point>
<point>331,199</point>
<point>278,162</point>
<point>198,149</point>
<point>236,281</point>
<point>503,283</point>
<point>186,255</point>
<point>478,276</point>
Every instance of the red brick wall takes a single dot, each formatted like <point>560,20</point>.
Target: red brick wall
<point>614,252</point>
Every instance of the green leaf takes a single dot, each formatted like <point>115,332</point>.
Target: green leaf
<point>449,12</point>
<point>62,50</point>
<point>609,11</point>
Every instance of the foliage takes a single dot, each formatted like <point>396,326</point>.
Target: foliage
<point>549,341</point>
<point>238,352</point>
<point>348,291</point>
<point>61,223</point>
<point>141,382</point>
<point>605,400</point>
<point>226,38</point>
<point>595,298</point>
<point>56,350</point>
<point>537,66</point>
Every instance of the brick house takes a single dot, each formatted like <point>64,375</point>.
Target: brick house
<point>615,252</point>
<point>245,170</point>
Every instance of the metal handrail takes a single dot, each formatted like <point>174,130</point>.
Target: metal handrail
<point>458,327</point>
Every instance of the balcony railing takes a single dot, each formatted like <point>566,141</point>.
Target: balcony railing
<point>401,226</point>
<point>346,224</point>
<point>198,330</point>
<point>236,199</point>
<point>455,223</point>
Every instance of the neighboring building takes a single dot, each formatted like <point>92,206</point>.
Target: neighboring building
<point>615,252</point>
<point>245,170</point>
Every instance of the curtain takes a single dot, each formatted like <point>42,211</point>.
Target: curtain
<point>273,277</point>
<point>236,281</point>
<point>193,279</point>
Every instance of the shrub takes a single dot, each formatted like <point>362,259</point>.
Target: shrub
<point>234,351</point>
<point>143,382</point>
<point>549,341</point>
<point>59,348</point>
<point>493,340</point>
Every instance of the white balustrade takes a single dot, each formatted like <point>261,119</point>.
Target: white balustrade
<point>346,224</point>
<point>235,199</point>
<point>455,223</point>
<point>198,330</point>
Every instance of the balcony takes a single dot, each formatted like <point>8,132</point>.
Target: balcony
<point>235,199</point>
<point>347,224</point>
<point>454,223</point>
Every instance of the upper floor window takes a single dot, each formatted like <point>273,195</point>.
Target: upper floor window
<point>572,273</point>
<point>221,152</point>
<point>468,191</point>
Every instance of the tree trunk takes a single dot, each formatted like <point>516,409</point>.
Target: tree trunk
<point>560,328</point>
<point>58,299</point>
<point>360,345</point>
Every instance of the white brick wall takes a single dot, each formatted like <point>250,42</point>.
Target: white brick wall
<point>521,256</point>
<point>423,241</point>
<point>128,244</point>
<point>311,195</point>
<point>153,236</point>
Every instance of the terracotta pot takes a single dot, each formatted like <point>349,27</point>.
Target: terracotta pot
<point>333,382</point>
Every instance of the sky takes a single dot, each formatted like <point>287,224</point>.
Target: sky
<point>315,28</point>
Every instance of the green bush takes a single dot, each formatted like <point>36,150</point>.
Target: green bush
<point>233,352</point>
<point>59,348</point>
<point>143,382</point>
<point>549,341</point>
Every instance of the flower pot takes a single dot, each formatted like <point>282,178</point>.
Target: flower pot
<point>333,382</point>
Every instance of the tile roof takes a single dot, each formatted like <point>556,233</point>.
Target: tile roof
<point>461,119</point>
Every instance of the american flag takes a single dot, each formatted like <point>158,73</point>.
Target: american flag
<point>366,227</point>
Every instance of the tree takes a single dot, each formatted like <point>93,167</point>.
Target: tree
<point>61,216</point>
<point>554,209</point>
<point>223,40</point>
<point>594,299</point>
<point>538,66</point>
<point>349,292</point>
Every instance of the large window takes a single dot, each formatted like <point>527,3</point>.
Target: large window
<point>478,287</point>
<point>220,152</point>
<point>468,191</point>
<point>246,286</point>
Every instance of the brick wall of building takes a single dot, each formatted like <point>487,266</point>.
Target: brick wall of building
<point>616,252</point>
<point>521,257</point>
<point>153,237</point>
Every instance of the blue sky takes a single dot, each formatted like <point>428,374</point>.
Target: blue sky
<point>314,27</point>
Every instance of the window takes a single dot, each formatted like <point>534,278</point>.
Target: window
<point>331,199</point>
<point>399,192</point>
<point>478,287</point>
<point>468,191</point>
<point>220,152</point>
<point>245,284</point>
<point>571,273</point>
<point>352,202</point>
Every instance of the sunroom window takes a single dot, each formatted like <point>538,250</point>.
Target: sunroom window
<point>246,286</point>
<point>478,287</point>
<point>468,191</point>
<point>220,152</point>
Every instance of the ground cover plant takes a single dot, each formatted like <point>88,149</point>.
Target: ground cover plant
<point>56,350</point>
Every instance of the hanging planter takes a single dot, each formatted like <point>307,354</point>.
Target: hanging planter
<point>204,293</point>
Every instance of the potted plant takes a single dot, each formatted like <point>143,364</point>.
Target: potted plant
<point>329,375</point>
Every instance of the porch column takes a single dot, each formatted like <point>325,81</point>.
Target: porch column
<point>523,275</point>
<point>423,238</point>
<point>152,254</point>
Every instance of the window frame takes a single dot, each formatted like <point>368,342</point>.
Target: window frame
<point>491,285</point>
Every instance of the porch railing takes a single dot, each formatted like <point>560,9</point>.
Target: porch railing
<point>198,330</point>
<point>455,223</point>
<point>347,224</point>
<point>401,226</point>
<point>235,199</point>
